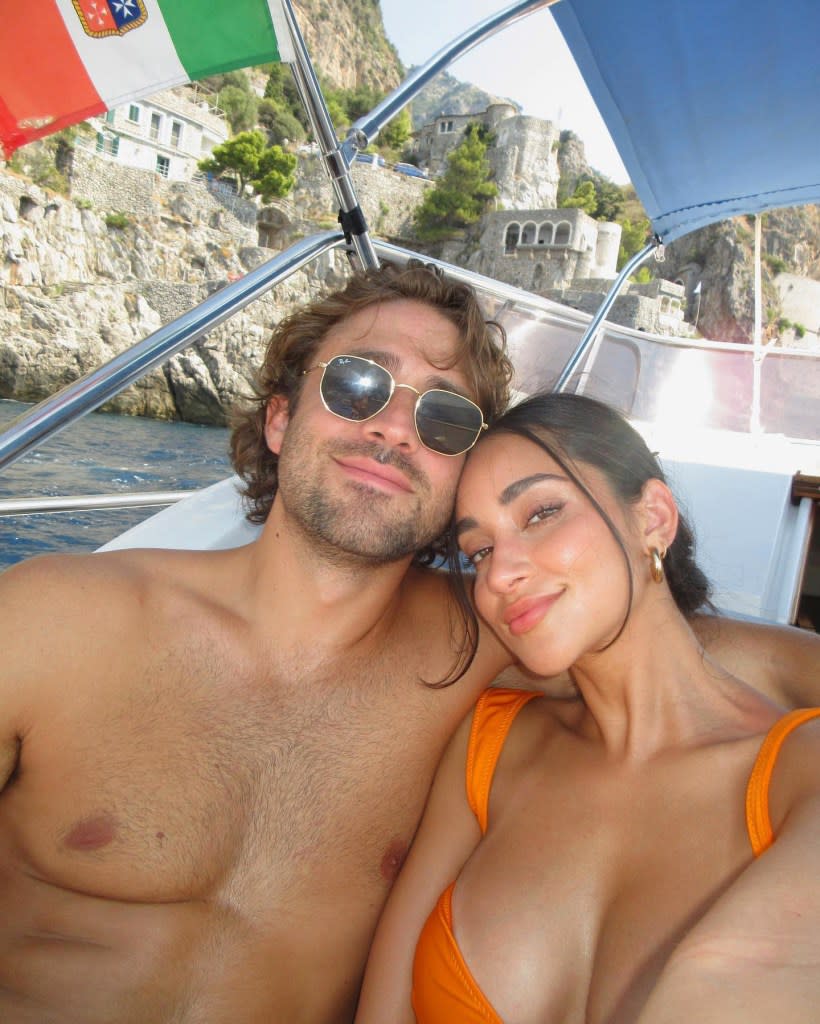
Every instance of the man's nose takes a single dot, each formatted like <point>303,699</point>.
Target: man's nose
<point>395,425</point>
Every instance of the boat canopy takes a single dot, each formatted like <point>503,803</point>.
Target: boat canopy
<point>714,107</point>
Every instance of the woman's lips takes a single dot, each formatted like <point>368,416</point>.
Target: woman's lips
<point>525,614</point>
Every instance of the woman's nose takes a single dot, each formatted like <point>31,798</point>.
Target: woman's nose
<point>509,566</point>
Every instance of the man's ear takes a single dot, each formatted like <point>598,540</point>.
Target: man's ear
<point>276,421</point>
<point>659,515</point>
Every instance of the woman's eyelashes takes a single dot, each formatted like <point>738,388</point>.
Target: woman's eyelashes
<point>543,512</point>
<point>539,514</point>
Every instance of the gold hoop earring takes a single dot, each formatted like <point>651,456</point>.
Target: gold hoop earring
<point>656,565</point>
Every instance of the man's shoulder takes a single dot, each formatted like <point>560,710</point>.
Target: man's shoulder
<point>78,589</point>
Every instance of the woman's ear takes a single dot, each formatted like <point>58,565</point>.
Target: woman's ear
<point>276,421</point>
<point>659,515</point>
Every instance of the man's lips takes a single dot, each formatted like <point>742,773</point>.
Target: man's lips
<point>376,474</point>
<point>525,614</point>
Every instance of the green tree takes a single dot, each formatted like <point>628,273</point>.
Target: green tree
<point>397,130</point>
<point>275,176</point>
<point>463,193</point>
<point>240,107</point>
<point>584,198</point>
<point>281,89</point>
<point>279,123</point>
<point>633,238</point>
<point>247,155</point>
<point>610,199</point>
<point>239,155</point>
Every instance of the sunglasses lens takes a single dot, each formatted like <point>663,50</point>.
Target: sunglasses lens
<point>448,423</point>
<point>355,388</point>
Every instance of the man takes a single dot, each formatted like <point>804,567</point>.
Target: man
<point>212,763</point>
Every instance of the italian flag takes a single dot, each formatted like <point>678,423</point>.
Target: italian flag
<point>62,61</point>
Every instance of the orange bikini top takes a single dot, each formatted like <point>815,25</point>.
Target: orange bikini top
<point>758,823</point>
<point>444,989</point>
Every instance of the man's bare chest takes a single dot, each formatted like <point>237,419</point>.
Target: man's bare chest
<point>211,786</point>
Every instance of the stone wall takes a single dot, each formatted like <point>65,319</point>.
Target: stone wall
<point>388,199</point>
<point>111,186</point>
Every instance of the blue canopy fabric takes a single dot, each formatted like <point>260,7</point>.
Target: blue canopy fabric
<point>714,105</point>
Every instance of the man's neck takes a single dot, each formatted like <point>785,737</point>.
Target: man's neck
<point>295,588</point>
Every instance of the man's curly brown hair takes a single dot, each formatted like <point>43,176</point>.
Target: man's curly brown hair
<point>296,339</point>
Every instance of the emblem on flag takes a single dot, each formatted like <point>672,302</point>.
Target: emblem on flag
<point>109,17</point>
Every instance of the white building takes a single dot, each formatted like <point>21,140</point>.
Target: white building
<point>167,133</point>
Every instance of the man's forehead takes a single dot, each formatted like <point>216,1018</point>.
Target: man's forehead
<point>397,334</point>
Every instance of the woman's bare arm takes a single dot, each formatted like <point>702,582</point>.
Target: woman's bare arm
<point>446,837</point>
<point>755,955</point>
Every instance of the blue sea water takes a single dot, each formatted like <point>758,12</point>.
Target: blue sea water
<point>102,454</point>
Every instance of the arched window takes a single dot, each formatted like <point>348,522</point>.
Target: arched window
<point>664,304</point>
<point>511,237</point>
<point>545,234</point>
<point>563,231</point>
<point>528,234</point>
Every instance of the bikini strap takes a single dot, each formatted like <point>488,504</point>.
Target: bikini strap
<point>494,713</point>
<point>758,822</point>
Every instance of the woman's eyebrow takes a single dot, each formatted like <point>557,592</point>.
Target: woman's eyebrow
<point>512,491</point>
<point>508,495</point>
<point>467,523</point>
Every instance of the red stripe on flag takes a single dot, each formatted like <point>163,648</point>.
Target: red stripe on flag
<point>43,83</point>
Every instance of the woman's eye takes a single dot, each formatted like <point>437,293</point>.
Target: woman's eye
<point>478,556</point>
<point>542,513</point>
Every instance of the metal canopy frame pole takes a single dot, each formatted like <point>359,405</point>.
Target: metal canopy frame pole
<point>591,332</point>
<point>337,163</point>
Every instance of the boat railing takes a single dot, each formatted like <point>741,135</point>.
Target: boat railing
<point>89,502</point>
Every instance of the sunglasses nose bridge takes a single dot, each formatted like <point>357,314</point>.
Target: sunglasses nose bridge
<point>409,387</point>
<point>395,422</point>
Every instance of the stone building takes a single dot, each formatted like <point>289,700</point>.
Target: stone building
<point>434,142</point>
<point>167,133</point>
<point>547,248</point>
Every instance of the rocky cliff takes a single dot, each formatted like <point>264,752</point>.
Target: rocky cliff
<point>347,42</point>
<point>721,258</point>
<point>79,286</point>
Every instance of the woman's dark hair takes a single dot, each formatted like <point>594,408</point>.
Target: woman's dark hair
<point>572,430</point>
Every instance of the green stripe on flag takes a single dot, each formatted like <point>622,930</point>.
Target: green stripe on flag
<point>220,36</point>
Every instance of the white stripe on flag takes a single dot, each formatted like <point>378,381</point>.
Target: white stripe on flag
<point>280,26</point>
<point>139,62</point>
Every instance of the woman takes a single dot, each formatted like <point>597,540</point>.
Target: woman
<point>600,866</point>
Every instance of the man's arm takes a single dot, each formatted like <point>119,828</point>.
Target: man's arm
<point>781,661</point>
<point>56,615</point>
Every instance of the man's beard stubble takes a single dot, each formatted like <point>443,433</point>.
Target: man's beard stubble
<point>358,526</point>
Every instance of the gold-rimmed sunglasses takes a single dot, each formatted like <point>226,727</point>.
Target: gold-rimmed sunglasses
<point>357,389</point>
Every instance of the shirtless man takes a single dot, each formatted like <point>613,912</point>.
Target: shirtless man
<point>204,795</point>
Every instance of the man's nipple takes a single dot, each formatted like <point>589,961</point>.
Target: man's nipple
<point>393,859</point>
<point>91,833</point>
